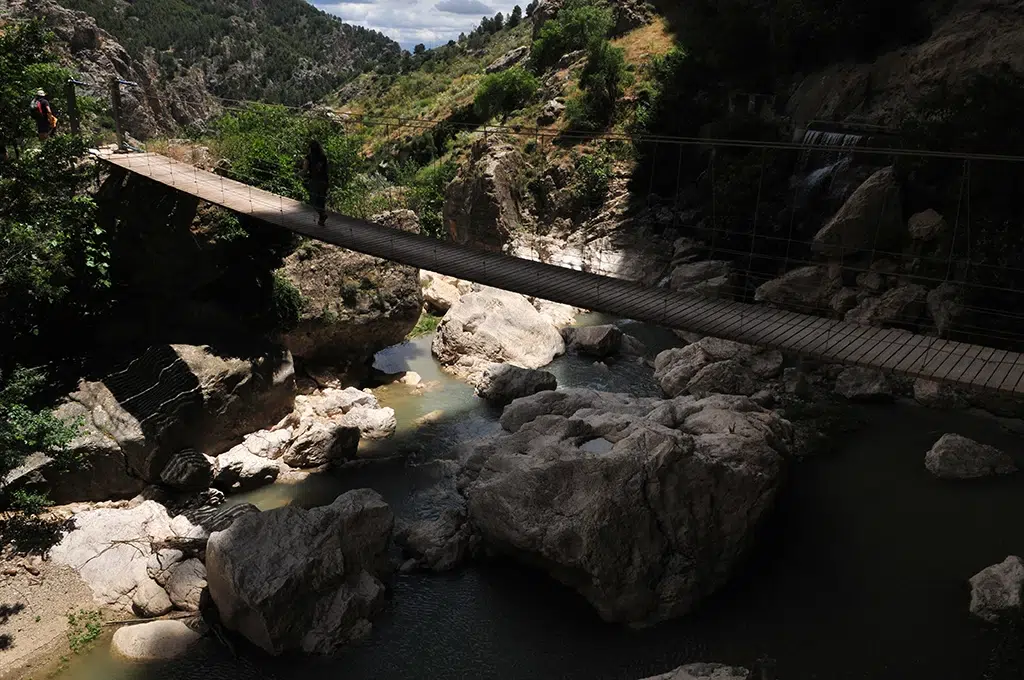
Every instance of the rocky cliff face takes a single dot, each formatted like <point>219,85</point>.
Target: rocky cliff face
<point>973,37</point>
<point>155,106</point>
<point>354,305</point>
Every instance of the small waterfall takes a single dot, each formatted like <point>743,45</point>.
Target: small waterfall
<point>819,167</point>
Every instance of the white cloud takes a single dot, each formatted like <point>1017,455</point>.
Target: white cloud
<point>474,7</point>
<point>416,21</point>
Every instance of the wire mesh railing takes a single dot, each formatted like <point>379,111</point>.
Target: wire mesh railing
<point>761,212</point>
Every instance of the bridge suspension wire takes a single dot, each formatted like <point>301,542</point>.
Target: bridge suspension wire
<point>778,246</point>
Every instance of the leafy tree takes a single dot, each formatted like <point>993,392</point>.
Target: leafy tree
<point>601,83</point>
<point>577,25</point>
<point>427,196</point>
<point>419,49</point>
<point>516,17</point>
<point>53,257</point>
<point>504,92</point>
<point>462,38</point>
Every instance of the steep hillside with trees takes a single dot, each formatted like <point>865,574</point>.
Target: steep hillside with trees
<point>285,51</point>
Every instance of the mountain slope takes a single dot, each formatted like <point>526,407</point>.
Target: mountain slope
<point>283,51</point>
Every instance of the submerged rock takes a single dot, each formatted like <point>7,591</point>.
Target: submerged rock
<point>645,528</point>
<point>153,641</point>
<point>863,384</point>
<point>309,580</point>
<point>503,383</point>
<point>957,457</point>
<point>996,590</point>
<point>938,395</point>
<point>494,326</point>
<point>704,671</point>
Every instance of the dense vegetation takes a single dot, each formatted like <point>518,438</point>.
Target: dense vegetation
<point>52,258</point>
<point>285,51</point>
<point>504,92</point>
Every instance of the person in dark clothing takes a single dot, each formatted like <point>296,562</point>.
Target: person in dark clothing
<point>42,113</point>
<point>315,169</point>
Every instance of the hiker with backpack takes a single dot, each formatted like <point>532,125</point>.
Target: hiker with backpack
<point>314,170</point>
<point>42,113</point>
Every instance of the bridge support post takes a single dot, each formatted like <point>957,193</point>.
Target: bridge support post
<point>115,110</point>
<point>72,103</point>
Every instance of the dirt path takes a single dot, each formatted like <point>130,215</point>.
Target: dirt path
<point>35,599</point>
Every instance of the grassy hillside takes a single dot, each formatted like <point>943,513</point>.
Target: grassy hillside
<point>284,51</point>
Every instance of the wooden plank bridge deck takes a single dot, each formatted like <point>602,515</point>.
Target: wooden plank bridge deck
<point>894,350</point>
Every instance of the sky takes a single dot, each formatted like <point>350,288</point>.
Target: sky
<point>431,22</point>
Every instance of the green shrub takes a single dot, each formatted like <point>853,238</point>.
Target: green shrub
<point>84,627</point>
<point>504,92</point>
<point>575,27</point>
<point>601,83</point>
<point>286,304</point>
<point>593,175</point>
<point>426,196</point>
<point>27,428</point>
<point>426,325</point>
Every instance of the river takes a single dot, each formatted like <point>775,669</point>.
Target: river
<point>861,574</point>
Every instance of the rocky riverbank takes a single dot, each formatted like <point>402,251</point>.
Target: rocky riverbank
<point>581,483</point>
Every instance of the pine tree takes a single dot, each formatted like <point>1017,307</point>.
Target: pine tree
<point>516,17</point>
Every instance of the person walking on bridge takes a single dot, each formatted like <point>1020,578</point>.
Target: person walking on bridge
<point>315,170</point>
<point>42,113</point>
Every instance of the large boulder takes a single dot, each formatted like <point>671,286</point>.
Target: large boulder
<point>901,307</point>
<point>494,326</point>
<point>439,295</point>
<point>713,365</point>
<point>185,584</point>
<point>483,204</point>
<point>644,506</point>
<point>309,580</point>
<point>503,383</point>
<point>171,398</point>
<point>858,383</point>
<point>704,671</point>
<point>354,304</point>
<point>508,60</point>
<point>996,590</point>
<point>804,289</point>
<point>240,470</point>
<point>153,641</point>
<point>871,218</point>
<point>957,457</point>
<point>947,309</point>
<point>322,442</point>
<point>712,278</point>
<point>188,470</point>
<point>111,548</point>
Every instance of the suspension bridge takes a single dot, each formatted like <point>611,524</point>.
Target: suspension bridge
<point>889,349</point>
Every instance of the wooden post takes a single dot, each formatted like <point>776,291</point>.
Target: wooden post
<point>69,91</point>
<point>115,109</point>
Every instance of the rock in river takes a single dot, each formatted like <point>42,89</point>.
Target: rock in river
<point>494,326</point>
<point>996,590</point>
<point>957,457</point>
<point>503,383</point>
<point>293,579</point>
<point>153,641</point>
<point>645,524</point>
